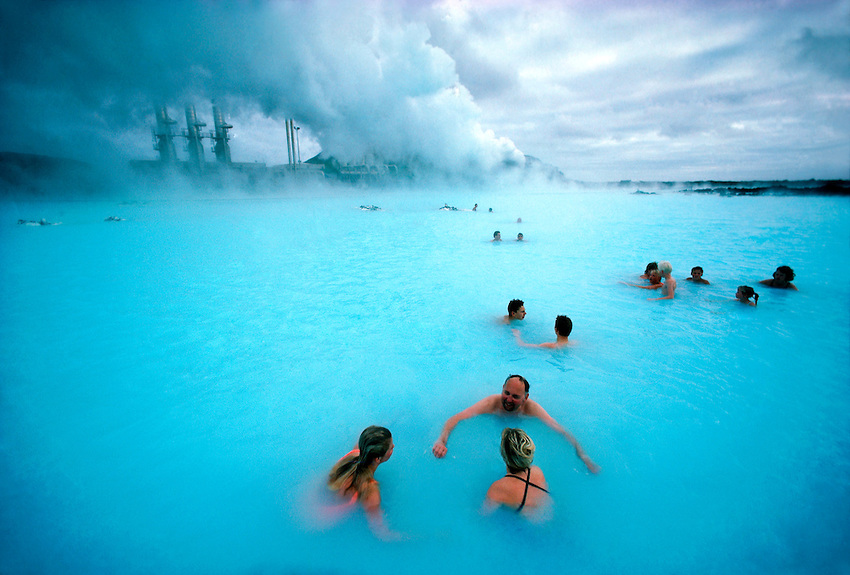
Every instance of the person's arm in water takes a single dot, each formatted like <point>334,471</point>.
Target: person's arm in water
<point>486,405</point>
<point>651,286</point>
<point>671,290</point>
<point>548,344</point>
<point>371,502</point>
<point>534,409</point>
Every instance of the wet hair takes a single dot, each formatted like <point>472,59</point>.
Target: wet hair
<point>564,325</point>
<point>497,233</point>
<point>517,449</point>
<point>514,305</point>
<point>521,378</point>
<point>749,292</point>
<point>374,442</point>
<point>665,267</point>
<point>696,268</point>
<point>789,273</point>
<point>650,266</point>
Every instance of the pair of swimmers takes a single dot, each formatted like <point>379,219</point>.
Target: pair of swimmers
<point>497,236</point>
<point>523,488</point>
<point>563,327</point>
<point>655,272</point>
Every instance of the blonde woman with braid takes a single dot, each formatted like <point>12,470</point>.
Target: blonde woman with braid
<point>353,476</point>
<point>524,487</point>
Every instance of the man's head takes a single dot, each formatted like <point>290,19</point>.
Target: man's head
<point>654,277</point>
<point>516,309</point>
<point>563,325</point>
<point>514,392</point>
<point>696,273</point>
<point>497,235</point>
<point>519,237</point>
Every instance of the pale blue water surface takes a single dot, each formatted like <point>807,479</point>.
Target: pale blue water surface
<point>174,387</point>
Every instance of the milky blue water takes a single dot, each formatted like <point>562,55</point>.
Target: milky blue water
<point>174,387</point>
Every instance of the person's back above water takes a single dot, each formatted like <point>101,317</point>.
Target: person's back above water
<point>563,329</point>
<point>523,488</point>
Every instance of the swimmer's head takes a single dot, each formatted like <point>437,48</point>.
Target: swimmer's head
<point>650,266</point>
<point>665,267</point>
<point>517,449</point>
<point>516,309</point>
<point>564,325</point>
<point>375,442</point>
<point>744,293</point>
<point>519,237</point>
<point>497,235</point>
<point>786,271</point>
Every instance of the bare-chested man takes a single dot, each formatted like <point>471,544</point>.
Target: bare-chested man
<point>513,399</point>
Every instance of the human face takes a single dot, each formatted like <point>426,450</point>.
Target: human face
<point>520,313</point>
<point>513,394</point>
<point>389,452</point>
<point>696,275</point>
<point>779,277</point>
<point>654,277</point>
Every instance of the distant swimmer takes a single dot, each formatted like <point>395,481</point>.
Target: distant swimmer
<point>563,328</point>
<point>669,286</point>
<point>654,281</point>
<point>519,220</point>
<point>744,294</point>
<point>370,208</point>
<point>512,401</point>
<point>696,276</point>
<point>516,311</point>
<point>497,236</point>
<point>781,279</point>
<point>491,210</point>
<point>475,208</point>
<point>113,219</point>
<point>353,476</point>
<point>649,267</point>
<point>519,237</point>
<point>41,222</point>
<point>449,208</point>
<point>523,488</point>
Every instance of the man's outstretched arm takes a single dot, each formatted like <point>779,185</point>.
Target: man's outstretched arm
<point>484,406</point>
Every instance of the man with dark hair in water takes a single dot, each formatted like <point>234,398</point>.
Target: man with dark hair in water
<point>516,311</point>
<point>512,400</point>
<point>781,279</point>
<point>563,328</point>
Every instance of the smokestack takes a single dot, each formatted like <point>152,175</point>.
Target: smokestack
<point>221,148</point>
<point>164,136</point>
<point>193,139</point>
<point>289,142</point>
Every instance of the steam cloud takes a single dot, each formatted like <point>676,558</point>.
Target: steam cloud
<point>82,79</point>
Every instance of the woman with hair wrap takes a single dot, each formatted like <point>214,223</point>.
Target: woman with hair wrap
<point>353,476</point>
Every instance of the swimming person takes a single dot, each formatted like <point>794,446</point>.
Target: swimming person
<point>353,476</point>
<point>649,267</point>
<point>669,286</point>
<point>512,400</point>
<point>696,276</point>
<point>497,236</point>
<point>519,237</point>
<point>524,487</point>
<point>744,294</point>
<point>516,311</point>
<point>781,279</point>
<point>563,328</point>
<point>654,281</point>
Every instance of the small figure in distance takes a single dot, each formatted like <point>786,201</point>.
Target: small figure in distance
<point>696,276</point>
<point>649,267</point>
<point>519,220</point>
<point>744,294</point>
<point>669,286</point>
<point>475,208</point>
<point>117,219</point>
<point>512,400</point>
<point>491,210</point>
<point>519,237</point>
<point>781,279</point>
<point>497,236</point>
<point>516,311</point>
<point>353,476</point>
<point>563,328</point>
<point>523,487</point>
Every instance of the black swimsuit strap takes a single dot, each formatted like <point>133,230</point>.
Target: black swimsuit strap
<point>527,483</point>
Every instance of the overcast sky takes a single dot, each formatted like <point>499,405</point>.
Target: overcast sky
<point>605,91</point>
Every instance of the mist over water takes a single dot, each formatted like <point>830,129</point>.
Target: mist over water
<point>176,385</point>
